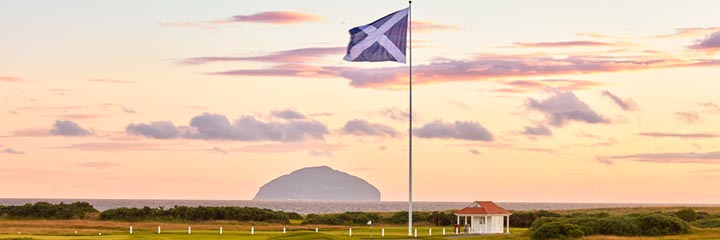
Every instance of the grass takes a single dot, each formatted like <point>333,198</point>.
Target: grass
<point>111,230</point>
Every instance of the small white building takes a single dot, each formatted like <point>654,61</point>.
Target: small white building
<point>484,217</point>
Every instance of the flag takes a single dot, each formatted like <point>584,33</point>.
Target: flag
<point>382,40</point>
<point>369,223</point>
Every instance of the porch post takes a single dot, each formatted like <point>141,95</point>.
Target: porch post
<point>507,230</point>
<point>487,225</point>
<point>458,219</point>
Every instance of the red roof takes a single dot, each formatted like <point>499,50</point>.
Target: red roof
<point>483,207</point>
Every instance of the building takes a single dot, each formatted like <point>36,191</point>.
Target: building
<point>484,217</point>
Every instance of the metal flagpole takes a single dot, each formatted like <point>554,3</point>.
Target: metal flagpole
<point>410,121</point>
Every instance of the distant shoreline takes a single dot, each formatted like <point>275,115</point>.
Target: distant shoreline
<point>319,207</point>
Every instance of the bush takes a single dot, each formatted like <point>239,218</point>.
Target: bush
<point>708,223</point>
<point>618,226</point>
<point>543,220</point>
<point>44,210</point>
<point>687,214</point>
<point>658,225</point>
<point>557,230</point>
<point>524,219</point>
<point>201,213</point>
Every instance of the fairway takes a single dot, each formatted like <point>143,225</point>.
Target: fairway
<point>358,233</point>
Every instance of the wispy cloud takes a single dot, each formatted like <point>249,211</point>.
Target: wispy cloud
<point>678,135</point>
<point>426,26</point>
<point>11,79</point>
<point>320,153</point>
<point>689,32</point>
<point>13,151</point>
<point>604,160</point>
<point>361,127</point>
<point>683,157</point>
<point>522,86</point>
<point>626,104</point>
<point>100,165</point>
<point>288,114</point>
<point>464,130</point>
<point>299,55</point>
<point>566,44</point>
<point>564,107</point>
<point>269,17</point>
<point>100,80</point>
<point>688,117</point>
<point>218,150</point>
<point>285,70</point>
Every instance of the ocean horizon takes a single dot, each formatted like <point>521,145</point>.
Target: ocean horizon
<point>319,207</point>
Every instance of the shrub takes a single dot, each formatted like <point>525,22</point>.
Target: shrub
<point>201,213</point>
<point>557,230</point>
<point>687,214</point>
<point>589,225</point>
<point>543,220</point>
<point>618,226</point>
<point>525,219</point>
<point>708,223</point>
<point>44,210</point>
<point>658,225</point>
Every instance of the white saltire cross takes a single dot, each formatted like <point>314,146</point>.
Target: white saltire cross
<point>378,35</point>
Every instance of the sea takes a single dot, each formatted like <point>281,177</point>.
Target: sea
<point>317,207</point>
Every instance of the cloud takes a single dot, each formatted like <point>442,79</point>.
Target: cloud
<point>539,130</point>
<point>688,117</point>
<point>425,26</point>
<point>396,114</point>
<point>288,114</point>
<point>218,150</point>
<point>690,32</point>
<point>712,107</point>
<point>288,56</point>
<point>687,157</point>
<point>604,160</point>
<point>522,86</point>
<point>128,110</point>
<point>465,130</point>
<point>566,44</point>
<point>364,128</point>
<point>710,43</point>
<point>487,67</point>
<point>285,70</point>
<point>68,128</point>
<point>679,135</point>
<point>320,153</point>
<point>275,17</point>
<point>109,81</point>
<point>626,104</point>
<point>217,127</point>
<point>158,130</point>
<point>474,151</point>
<point>11,79</point>
<point>563,107</point>
<point>98,165</point>
<point>81,116</point>
<point>12,151</point>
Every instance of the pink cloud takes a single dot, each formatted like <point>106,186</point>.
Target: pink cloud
<point>679,135</point>
<point>566,44</point>
<point>287,56</point>
<point>11,79</point>
<point>277,17</point>
<point>522,86</point>
<point>688,117</point>
<point>425,26</point>
<point>98,165</point>
<point>296,70</point>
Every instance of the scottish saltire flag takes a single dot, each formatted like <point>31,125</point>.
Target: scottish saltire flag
<point>382,40</point>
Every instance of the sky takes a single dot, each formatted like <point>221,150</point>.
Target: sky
<point>514,101</point>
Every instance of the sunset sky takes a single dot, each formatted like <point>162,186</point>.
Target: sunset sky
<point>522,101</point>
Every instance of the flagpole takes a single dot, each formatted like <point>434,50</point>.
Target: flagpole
<point>410,121</point>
